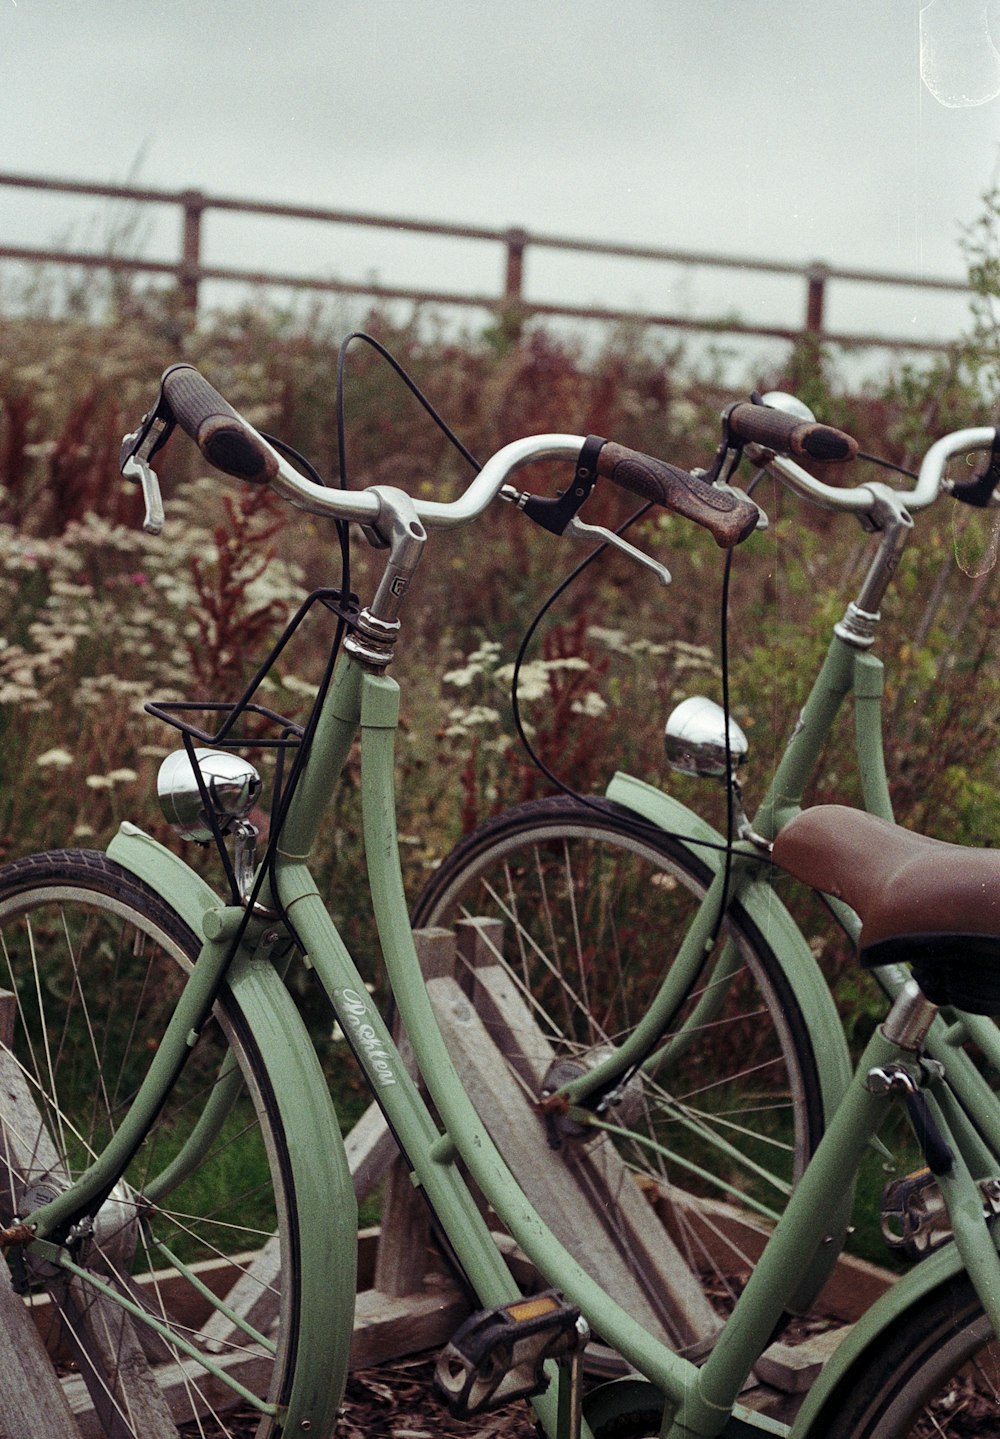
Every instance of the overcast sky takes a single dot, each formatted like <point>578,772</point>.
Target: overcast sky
<point>794,129</point>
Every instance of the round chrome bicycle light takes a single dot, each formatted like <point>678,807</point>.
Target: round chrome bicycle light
<point>695,739</point>
<point>232,782</point>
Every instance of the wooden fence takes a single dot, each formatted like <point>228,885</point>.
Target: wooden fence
<point>189,271</point>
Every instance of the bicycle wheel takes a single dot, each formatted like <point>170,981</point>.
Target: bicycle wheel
<point>91,964</point>
<point>593,904</point>
<point>935,1375</point>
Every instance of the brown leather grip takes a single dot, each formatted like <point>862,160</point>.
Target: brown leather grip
<point>728,516</point>
<point>788,435</point>
<point>222,435</point>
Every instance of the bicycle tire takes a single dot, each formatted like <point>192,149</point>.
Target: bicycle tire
<point>935,1374</point>
<point>92,960</point>
<point>628,883</point>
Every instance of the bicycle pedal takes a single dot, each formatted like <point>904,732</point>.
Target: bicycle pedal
<point>914,1218</point>
<point>498,1355</point>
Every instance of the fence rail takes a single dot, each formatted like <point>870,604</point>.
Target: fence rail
<point>189,272</point>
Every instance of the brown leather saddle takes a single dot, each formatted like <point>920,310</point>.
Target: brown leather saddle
<point>932,905</point>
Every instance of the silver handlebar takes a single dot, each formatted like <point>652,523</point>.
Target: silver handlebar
<point>862,499</point>
<point>364,506</point>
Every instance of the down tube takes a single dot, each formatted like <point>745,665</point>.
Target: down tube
<point>465,1129</point>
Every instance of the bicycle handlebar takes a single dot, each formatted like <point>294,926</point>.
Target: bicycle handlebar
<point>862,499</point>
<point>231,444</point>
<point>222,435</point>
<point>776,430</point>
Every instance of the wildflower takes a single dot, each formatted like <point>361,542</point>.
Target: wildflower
<point>479,662</point>
<point>533,678</point>
<point>122,776</point>
<point>464,720</point>
<point>55,759</point>
<point>98,781</point>
<point>592,705</point>
<point>613,639</point>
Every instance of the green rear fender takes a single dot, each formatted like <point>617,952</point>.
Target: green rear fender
<point>323,1193</point>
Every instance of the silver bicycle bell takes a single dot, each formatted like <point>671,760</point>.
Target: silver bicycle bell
<point>233,785</point>
<point>695,739</point>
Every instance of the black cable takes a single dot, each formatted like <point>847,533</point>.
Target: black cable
<point>887,465</point>
<point>410,384</point>
<point>343,530</point>
<point>588,801</point>
<point>730,791</point>
<point>560,589</point>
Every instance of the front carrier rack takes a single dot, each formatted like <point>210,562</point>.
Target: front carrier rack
<point>210,796</point>
<point>290,732</point>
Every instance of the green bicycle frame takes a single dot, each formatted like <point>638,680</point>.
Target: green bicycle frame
<point>372,701</point>
<point>696,1402</point>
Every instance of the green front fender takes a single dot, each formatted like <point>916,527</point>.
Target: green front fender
<point>324,1247</point>
<point>165,872</point>
<point>803,975</point>
<point>771,918</point>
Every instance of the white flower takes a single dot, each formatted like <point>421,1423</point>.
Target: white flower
<point>592,705</point>
<point>55,758</point>
<point>613,639</point>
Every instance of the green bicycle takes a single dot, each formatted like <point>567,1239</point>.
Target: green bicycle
<point>175,1202</point>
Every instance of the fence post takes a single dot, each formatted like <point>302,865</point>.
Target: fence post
<point>514,280</point>
<point>817,276</point>
<point>193,202</point>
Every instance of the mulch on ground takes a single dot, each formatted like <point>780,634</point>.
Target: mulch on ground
<point>397,1401</point>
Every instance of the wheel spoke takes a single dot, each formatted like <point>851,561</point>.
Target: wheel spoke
<point>592,911</point>
<point>94,964</point>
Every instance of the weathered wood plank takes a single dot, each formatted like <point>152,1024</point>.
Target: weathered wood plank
<point>603,1176</point>
<point>571,1198</point>
<point>31,1398</point>
<point>794,1368</point>
<point>97,1331</point>
<point>387,1327</point>
<point>186,1388</point>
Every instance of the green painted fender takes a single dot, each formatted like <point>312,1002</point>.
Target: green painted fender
<point>799,967</point>
<point>769,915</point>
<point>166,872</point>
<point>912,1290</point>
<point>322,1190</point>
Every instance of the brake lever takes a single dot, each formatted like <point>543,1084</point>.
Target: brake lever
<point>598,534</point>
<point>137,450</point>
<point>137,469</point>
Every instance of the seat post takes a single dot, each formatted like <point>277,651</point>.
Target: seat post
<point>910,1018</point>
